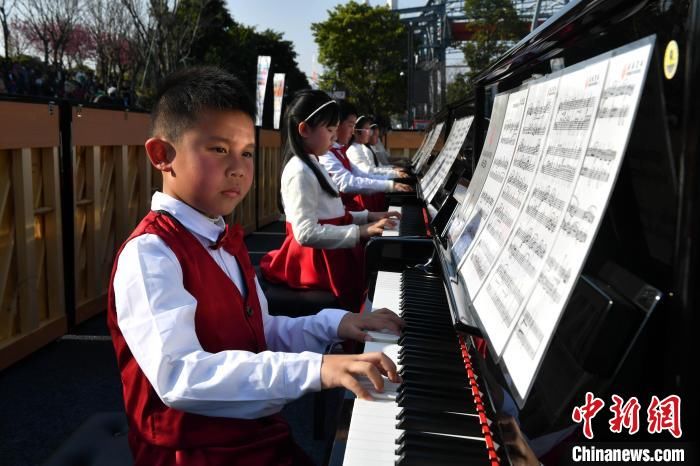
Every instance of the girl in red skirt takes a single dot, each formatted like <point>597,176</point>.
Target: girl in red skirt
<point>323,248</point>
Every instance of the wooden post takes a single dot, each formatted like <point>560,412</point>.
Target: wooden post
<point>25,243</point>
<point>52,229</point>
<point>122,192</point>
<point>94,219</point>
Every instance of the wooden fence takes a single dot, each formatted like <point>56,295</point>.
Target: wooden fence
<point>112,186</point>
<point>32,301</point>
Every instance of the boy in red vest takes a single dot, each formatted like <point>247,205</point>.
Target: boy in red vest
<point>205,368</point>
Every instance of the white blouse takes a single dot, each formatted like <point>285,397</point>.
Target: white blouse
<point>361,157</point>
<point>305,203</point>
<point>354,180</point>
<point>382,153</point>
<point>155,313</point>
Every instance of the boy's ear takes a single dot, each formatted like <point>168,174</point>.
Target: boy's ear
<point>161,153</point>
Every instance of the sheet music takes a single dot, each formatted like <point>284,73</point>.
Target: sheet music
<point>496,176</point>
<point>419,151</point>
<point>489,244</point>
<point>429,178</point>
<point>618,104</point>
<point>446,158</point>
<point>508,285</point>
<point>429,146</point>
<point>458,220</point>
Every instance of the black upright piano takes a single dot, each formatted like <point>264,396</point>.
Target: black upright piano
<point>626,326</point>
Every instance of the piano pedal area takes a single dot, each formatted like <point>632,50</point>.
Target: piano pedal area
<point>439,414</point>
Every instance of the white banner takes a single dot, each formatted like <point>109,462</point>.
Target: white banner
<point>263,71</point>
<point>278,84</point>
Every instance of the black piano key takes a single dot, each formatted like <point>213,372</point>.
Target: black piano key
<point>436,365</point>
<point>436,405</point>
<point>431,456</point>
<point>409,374</point>
<point>459,445</point>
<point>439,422</point>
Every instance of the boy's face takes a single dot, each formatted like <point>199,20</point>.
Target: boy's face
<point>212,168</point>
<point>345,129</point>
<point>320,139</point>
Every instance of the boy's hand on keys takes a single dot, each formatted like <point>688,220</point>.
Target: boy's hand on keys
<point>354,326</point>
<point>353,370</point>
<point>375,229</point>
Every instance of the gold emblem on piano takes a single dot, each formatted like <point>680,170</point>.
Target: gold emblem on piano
<point>671,59</point>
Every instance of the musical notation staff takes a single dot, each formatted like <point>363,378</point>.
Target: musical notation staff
<point>438,171</point>
<point>475,220</point>
<point>525,349</point>
<point>498,226</point>
<point>458,221</point>
<point>500,299</point>
<point>427,149</point>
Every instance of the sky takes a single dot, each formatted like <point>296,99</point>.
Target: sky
<point>293,18</point>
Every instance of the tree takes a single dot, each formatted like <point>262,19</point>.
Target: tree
<point>236,47</point>
<point>459,88</point>
<point>49,24</point>
<point>116,50</point>
<point>495,25</point>
<point>6,7</point>
<point>165,31</point>
<point>361,49</point>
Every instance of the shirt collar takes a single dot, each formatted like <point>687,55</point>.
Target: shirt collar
<point>190,218</point>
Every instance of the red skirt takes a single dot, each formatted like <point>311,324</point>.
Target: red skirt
<point>340,271</point>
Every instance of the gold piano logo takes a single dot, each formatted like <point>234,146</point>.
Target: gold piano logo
<point>671,59</point>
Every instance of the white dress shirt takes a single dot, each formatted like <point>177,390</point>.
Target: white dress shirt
<point>382,153</point>
<point>353,181</point>
<point>155,313</point>
<point>361,157</point>
<point>305,203</point>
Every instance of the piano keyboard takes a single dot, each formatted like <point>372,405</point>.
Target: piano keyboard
<point>412,222</point>
<point>436,415</point>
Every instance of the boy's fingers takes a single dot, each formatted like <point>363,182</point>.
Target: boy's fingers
<point>369,370</point>
<point>383,364</point>
<point>389,324</point>
<point>384,318</point>
<point>389,368</point>
<point>357,334</point>
<point>352,384</point>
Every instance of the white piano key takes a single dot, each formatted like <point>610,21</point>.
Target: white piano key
<point>387,291</point>
<point>372,435</point>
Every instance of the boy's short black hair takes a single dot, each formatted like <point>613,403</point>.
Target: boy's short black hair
<point>184,94</point>
<point>346,109</point>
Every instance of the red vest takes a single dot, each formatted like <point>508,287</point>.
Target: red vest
<point>159,435</point>
<point>356,202</point>
<point>340,271</point>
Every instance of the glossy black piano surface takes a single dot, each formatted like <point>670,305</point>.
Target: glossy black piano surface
<point>612,338</point>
